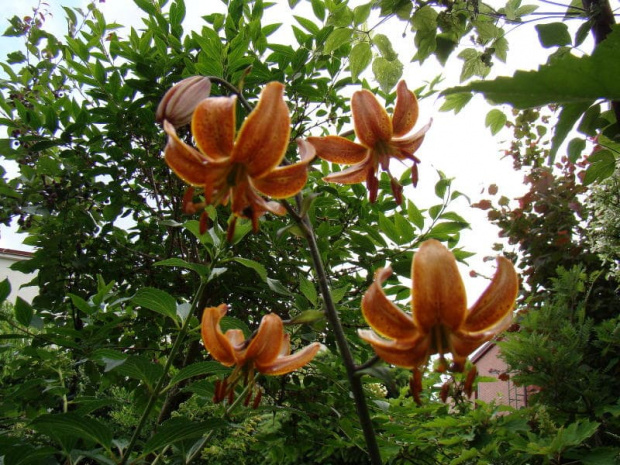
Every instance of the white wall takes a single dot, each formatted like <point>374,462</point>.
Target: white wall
<point>7,258</point>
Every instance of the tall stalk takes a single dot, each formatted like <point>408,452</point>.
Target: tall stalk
<point>341,340</point>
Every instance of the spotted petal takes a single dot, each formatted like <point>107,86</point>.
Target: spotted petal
<point>338,149</point>
<point>382,315</point>
<point>351,175</point>
<point>438,293</point>
<point>218,345</point>
<point>405,111</point>
<point>288,363</point>
<point>497,301</point>
<point>213,126</point>
<point>265,346</point>
<point>264,135</point>
<point>407,354</point>
<point>186,162</point>
<point>371,121</point>
<point>407,146</point>
<point>288,180</point>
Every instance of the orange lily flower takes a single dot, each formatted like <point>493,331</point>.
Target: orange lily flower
<point>381,137</point>
<point>439,322</point>
<point>268,351</point>
<point>244,167</point>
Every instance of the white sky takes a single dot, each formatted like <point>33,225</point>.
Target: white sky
<point>458,145</point>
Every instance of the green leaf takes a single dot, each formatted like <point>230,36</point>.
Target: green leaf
<point>318,7</point>
<point>180,429</point>
<point>359,58</point>
<point>197,369</point>
<point>384,45</point>
<point>424,22</point>
<point>202,270</point>
<point>5,289</point>
<point>387,73</point>
<point>456,102</point>
<point>474,64</point>
<point>307,317</point>
<point>308,290</point>
<point>602,166</point>
<point>338,37</point>
<point>82,304</point>
<point>404,228</point>
<point>575,148</point>
<point>388,228</point>
<point>156,300</point>
<point>146,6</point>
<point>553,34</point>
<point>591,78</point>
<point>277,287</point>
<point>307,25</point>
<point>448,228</point>
<point>23,312</point>
<point>361,13</point>
<point>73,425</point>
<point>140,368</point>
<point>495,120</point>
<point>415,215</point>
<point>259,268</point>
<point>569,115</point>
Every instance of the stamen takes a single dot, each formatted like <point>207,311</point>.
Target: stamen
<point>415,385</point>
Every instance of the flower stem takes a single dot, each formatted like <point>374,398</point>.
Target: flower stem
<point>341,340</point>
<point>160,384</point>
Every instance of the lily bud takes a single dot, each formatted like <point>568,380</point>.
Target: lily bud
<point>178,104</point>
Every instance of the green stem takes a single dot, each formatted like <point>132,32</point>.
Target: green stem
<point>341,340</point>
<point>160,384</point>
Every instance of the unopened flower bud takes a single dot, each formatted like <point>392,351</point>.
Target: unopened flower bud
<point>179,102</point>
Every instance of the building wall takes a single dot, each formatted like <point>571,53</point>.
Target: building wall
<point>17,279</point>
<point>502,392</point>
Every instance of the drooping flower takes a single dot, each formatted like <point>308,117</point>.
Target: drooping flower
<point>381,138</point>
<point>178,104</point>
<point>439,322</point>
<point>268,351</point>
<point>240,168</point>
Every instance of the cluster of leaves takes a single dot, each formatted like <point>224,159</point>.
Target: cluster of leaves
<point>118,264</point>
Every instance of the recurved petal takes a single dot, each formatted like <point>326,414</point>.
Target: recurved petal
<point>215,341</point>
<point>497,301</point>
<point>438,293</point>
<point>405,111</point>
<point>370,119</point>
<point>351,175</point>
<point>213,126</point>
<point>406,354</point>
<point>263,137</point>
<point>287,363</point>
<point>407,146</point>
<point>382,315</point>
<point>464,344</point>
<point>337,149</point>
<point>288,180</point>
<point>186,162</point>
<point>265,346</point>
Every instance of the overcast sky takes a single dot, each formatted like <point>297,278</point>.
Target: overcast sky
<point>458,145</point>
